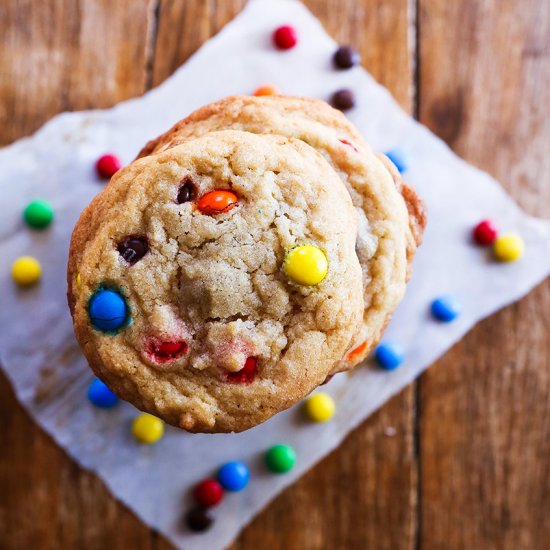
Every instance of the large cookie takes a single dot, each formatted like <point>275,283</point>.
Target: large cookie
<point>391,216</point>
<point>199,307</point>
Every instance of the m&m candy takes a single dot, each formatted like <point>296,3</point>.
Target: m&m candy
<point>343,99</point>
<point>233,476</point>
<point>306,265</point>
<point>446,308</point>
<point>100,395</point>
<point>107,166</point>
<point>38,214</point>
<point>389,355</point>
<point>26,271</point>
<point>399,158</point>
<point>280,458</point>
<point>285,37</point>
<point>208,493</point>
<point>198,519</point>
<point>319,407</point>
<point>266,89</point>
<point>346,57</point>
<point>147,428</point>
<point>217,202</point>
<point>508,247</point>
<point>107,310</point>
<point>485,232</point>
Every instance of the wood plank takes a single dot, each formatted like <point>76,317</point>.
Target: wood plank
<point>485,413</point>
<point>364,493</point>
<point>58,56</point>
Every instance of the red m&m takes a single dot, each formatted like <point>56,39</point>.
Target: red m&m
<point>208,493</point>
<point>485,232</point>
<point>107,166</point>
<point>285,37</point>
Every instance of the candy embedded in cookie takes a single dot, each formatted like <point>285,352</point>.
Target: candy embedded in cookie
<point>217,202</point>
<point>235,254</point>
<point>108,310</point>
<point>306,265</point>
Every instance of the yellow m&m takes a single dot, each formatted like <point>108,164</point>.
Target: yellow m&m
<point>319,407</point>
<point>508,247</point>
<point>147,428</point>
<point>26,271</point>
<point>306,265</point>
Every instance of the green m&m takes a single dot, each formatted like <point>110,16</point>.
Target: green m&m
<point>280,458</point>
<point>38,214</point>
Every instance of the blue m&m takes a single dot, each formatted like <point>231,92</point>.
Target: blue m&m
<point>446,308</point>
<point>233,476</point>
<point>100,395</point>
<point>107,310</point>
<point>399,158</point>
<point>389,355</point>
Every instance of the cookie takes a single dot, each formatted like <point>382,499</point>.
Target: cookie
<point>217,280</point>
<point>391,215</point>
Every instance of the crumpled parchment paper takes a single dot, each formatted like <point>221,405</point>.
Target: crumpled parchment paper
<point>37,348</point>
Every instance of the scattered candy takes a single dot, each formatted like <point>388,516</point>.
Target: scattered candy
<point>246,375</point>
<point>198,519</point>
<point>186,192</point>
<point>208,493</point>
<point>280,458</point>
<point>266,89</point>
<point>233,476</point>
<point>147,428</point>
<point>107,166</point>
<point>285,37</point>
<point>107,310</point>
<point>343,99</point>
<point>38,214</point>
<point>399,158</point>
<point>346,57</point>
<point>319,407</point>
<point>217,202</point>
<point>133,249</point>
<point>508,247</point>
<point>100,395</point>
<point>26,271</point>
<point>485,232</point>
<point>356,352</point>
<point>446,308</point>
<point>389,355</point>
<point>306,265</point>
<point>78,281</point>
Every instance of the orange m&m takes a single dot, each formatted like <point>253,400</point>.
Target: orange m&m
<point>217,202</point>
<point>266,89</point>
<point>356,352</point>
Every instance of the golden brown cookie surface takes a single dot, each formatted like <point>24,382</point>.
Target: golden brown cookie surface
<point>391,215</point>
<point>219,332</point>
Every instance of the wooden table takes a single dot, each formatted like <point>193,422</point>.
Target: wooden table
<point>468,466</point>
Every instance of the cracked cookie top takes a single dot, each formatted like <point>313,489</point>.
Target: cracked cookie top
<point>216,283</point>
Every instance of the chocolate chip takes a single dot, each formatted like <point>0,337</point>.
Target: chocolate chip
<point>133,249</point>
<point>186,192</point>
<point>346,57</point>
<point>343,99</point>
<point>198,519</point>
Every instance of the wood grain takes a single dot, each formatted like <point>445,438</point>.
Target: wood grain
<point>58,56</point>
<point>485,409</point>
<point>465,470</point>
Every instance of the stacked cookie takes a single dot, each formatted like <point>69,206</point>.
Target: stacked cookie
<point>253,250</point>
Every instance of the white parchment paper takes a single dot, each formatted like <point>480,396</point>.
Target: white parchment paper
<point>37,348</point>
